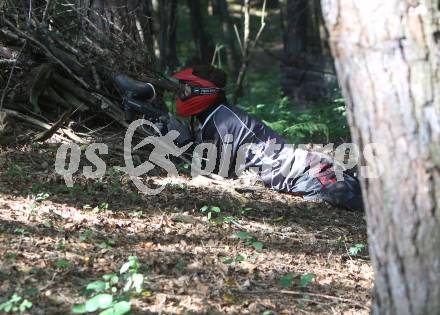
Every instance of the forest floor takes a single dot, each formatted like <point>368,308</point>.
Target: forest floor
<point>260,252</point>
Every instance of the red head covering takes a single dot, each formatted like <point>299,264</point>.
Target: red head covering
<point>195,104</point>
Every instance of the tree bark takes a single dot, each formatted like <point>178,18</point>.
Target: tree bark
<point>166,24</point>
<point>228,35</point>
<point>308,73</point>
<point>172,59</point>
<point>295,32</point>
<point>214,7</point>
<point>204,45</point>
<point>387,60</point>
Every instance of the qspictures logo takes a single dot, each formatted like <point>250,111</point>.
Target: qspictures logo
<point>264,158</point>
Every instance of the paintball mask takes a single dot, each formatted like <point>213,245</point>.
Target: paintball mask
<point>196,94</point>
<point>188,91</point>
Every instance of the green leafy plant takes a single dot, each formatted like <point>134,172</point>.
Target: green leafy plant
<point>184,167</point>
<point>287,280</point>
<point>257,245</point>
<point>61,245</point>
<point>242,235</point>
<point>249,240</point>
<point>178,186</point>
<point>36,187</point>
<point>342,241</point>
<point>47,223</point>
<point>41,197</point>
<point>135,279</point>
<point>308,128</point>
<point>180,265</point>
<point>15,173</point>
<point>210,211</point>
<point>63,264</point>
<point>16,304</point>
<point>20,231</point>
<point>86,236</point>
<point>115,172</point>
<point>325,121</point>
<point>134,197</point>
<point>114,175</point>
<point>227,219</point>
<point>107,244</point>
<point>101,207</point>
<point>112,295</point>
<point>35,145</point>
<point>10,256</point>
<point>139,214</point>
<point>234,261</point>
<point>244,211</point>
<point>75,191</point>
<point>356,249</point>
<point>306,279</point>
<point>99,301</point>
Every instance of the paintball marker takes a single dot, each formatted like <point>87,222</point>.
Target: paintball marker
<point>138,98</point>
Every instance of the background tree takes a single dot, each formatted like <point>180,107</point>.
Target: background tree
<point>308,66</point>
<point>386,55</point>
<point>228,35</point>
<point>198,12</point>
<point>165,20</point>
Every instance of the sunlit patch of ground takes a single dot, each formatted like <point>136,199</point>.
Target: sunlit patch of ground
<point>55,240</point>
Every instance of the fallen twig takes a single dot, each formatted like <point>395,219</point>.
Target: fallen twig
<point>49,132</point>
<point>318,295</point>
<point>39,123</point>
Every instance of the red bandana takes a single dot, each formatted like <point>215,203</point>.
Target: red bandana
<point>196,104</point>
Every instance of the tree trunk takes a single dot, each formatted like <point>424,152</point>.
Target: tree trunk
<point>166,24</point>
<point>203,44</point>
<point>228,35</point>
<point>214,7</point>
<point>295,32</point>
<point>172,59</point>
<point>386,57</point>
<point>148,27</point>
<point>308,73</point>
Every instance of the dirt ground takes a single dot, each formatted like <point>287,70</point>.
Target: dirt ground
<point>55,240</point>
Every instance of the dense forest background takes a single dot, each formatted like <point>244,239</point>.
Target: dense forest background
<point>279,67</point>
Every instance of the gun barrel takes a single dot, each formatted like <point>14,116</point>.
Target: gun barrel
<point>146,108</point>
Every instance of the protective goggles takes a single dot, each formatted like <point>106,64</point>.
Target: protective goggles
<point>188,91</point>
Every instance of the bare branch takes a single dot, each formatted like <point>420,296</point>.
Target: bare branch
<point>10,77</point>
<point>46,11</point>
<point>248,45</point>
<point>48,52</point>
<point>237,34</point>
